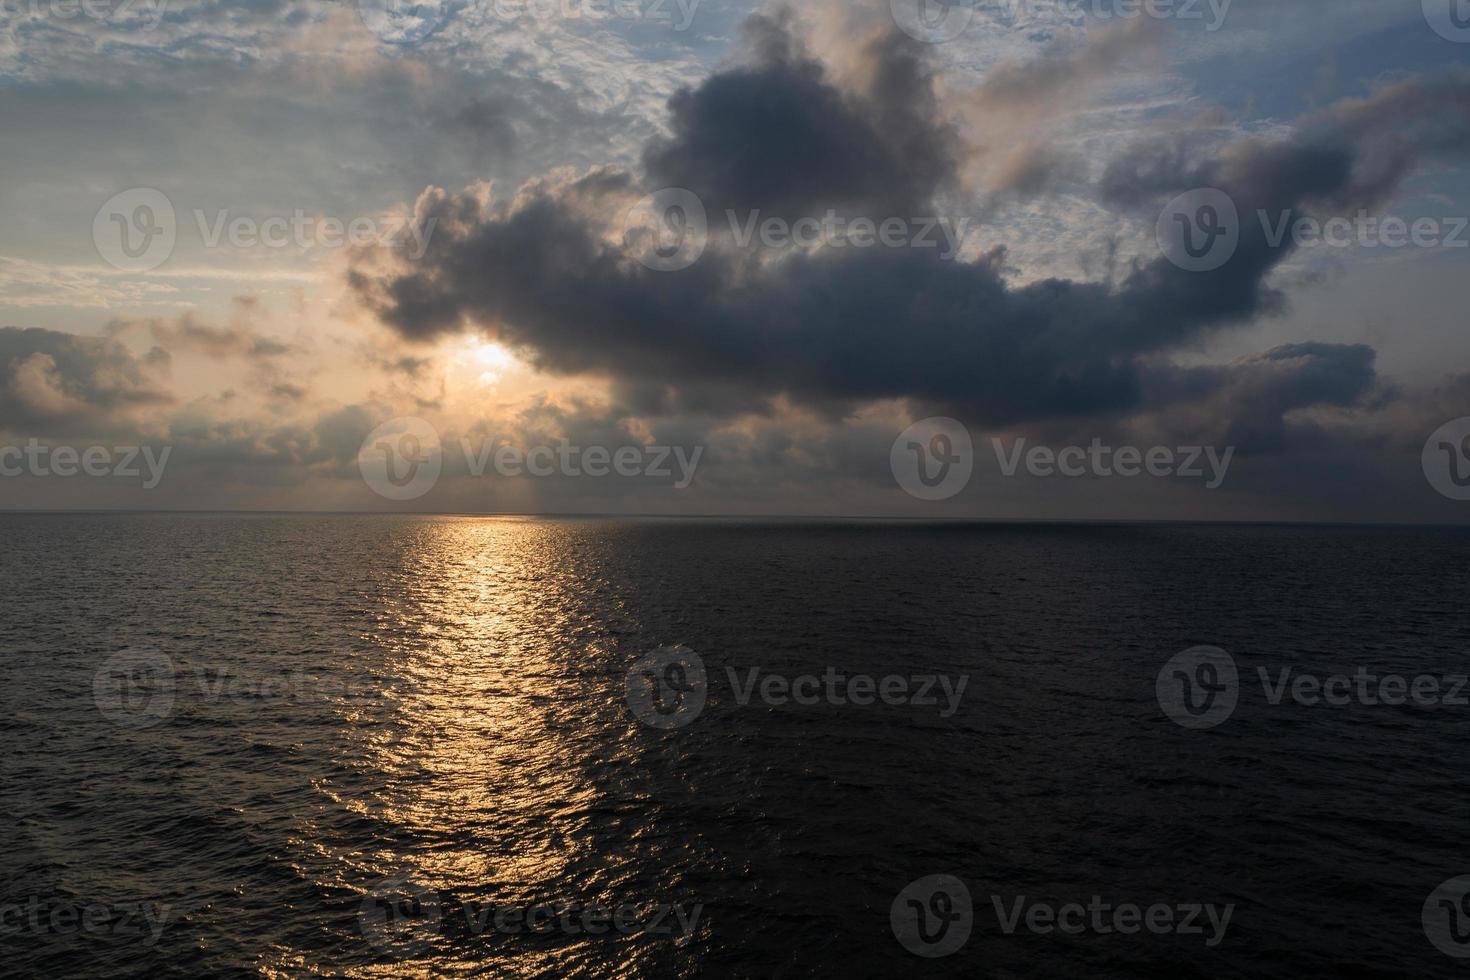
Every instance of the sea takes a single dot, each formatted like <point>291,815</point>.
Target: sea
<point>425,746</point>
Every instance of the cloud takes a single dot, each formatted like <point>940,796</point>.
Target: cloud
<point>1351,155</point>
<point>793,367</point>
<point>1256,403</point>
<point>838,328</point>
<point>778,136</point>
<point>187,333</point>
<point>65,383</point>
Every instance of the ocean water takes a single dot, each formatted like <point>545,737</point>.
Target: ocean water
<point>330,745</point>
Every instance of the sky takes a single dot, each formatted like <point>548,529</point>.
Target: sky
<point>991,259</point>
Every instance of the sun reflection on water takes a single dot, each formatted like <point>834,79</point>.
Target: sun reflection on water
<point>483,768</point>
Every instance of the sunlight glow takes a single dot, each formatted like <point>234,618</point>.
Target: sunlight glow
<point>495,360</point>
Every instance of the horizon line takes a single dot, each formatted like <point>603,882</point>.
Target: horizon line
<point>751,518</point>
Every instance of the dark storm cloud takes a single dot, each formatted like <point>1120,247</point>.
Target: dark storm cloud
<point>1250,403</point>
<point>1261,391</point>
<point>779,136</point>
<point>1152,170</point>
<point>838,327</point>
<point>1351,155</point>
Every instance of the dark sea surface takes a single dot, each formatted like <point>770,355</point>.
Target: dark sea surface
<point>313,742</point>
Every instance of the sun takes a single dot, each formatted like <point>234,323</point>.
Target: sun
<point>490,354</point>
<point>493,360</point>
